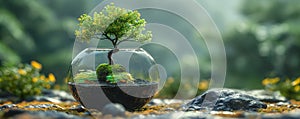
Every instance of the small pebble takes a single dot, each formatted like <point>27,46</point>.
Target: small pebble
<point>155,102</point>
<point>78,108</point>
<point>114,109</point>
<point>282,103</point>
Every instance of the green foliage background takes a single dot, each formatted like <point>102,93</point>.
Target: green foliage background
<point>39,30</point>
<point>266,43</point>
<point>263,41</point>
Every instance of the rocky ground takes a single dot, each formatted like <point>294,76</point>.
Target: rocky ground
<point>230,104</point>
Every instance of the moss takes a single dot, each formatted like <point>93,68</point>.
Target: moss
<point>102,71</point>
<point>105,70</point>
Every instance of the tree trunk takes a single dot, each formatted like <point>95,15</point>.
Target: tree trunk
<point>109,55</point>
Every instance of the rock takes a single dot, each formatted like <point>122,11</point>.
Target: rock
<point>20,114</point>
<point>44,106</point>
<point>267,96</point>
<point>156,102</point>
<point>290,115</point>
<point>43,99</point>
<point>176,115</point>
<point>169,109</point>
<point>8,106</point>
<point>225,100</point>
<point>114,109</point>
<point>11,113</point>
<point>78,108</point>
<point>165,101</point>
<point>54,96</point>
<point>61,95</point>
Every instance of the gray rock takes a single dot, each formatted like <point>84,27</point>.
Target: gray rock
<point>156,102</point>
<point>114,109</point>
<point>54,96</point>
<point>78,108</point>
<point>44,99</point>
<point>267,96</point>
<point>44,115</point>
<point>165,101</point>
<point>61,95</point>
<point>11,113</point>
<point>225,100</point>
<point>176,115</point>
<point>44,106</point>
<point>8,106</point>
<point>290,115</point>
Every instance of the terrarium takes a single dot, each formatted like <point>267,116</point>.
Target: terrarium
<point>102,74</point>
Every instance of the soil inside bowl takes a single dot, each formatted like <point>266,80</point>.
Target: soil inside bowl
<point>132,96</point>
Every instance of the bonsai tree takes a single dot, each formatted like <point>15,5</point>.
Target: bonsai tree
<point>116,25</point>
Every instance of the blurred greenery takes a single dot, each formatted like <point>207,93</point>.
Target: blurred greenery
<point>265,44</point>
<point>262,38</point>
<point>24,80</point>
<point>39,30</point>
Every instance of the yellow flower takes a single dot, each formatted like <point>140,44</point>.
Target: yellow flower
<point>296,82</point>
<point>42,77</point>
<point>203,85</point>
<point>35,79</point>
<point>36,65</point>
<point>297,88</point>
<point>268,81</point>
<point>22,72</point>
<point>48,86</point>
<point>51,77</point>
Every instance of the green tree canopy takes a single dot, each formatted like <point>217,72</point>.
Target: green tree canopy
<point>114,24</point>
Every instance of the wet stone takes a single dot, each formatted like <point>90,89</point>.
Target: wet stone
<point>225,100</point>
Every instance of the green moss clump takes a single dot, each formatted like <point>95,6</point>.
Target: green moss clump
<point>106,72</point>
<point>102,71</point>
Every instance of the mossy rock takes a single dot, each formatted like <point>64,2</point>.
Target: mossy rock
<point>104,70</point>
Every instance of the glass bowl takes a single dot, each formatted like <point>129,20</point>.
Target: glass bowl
<point>133,85</point>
